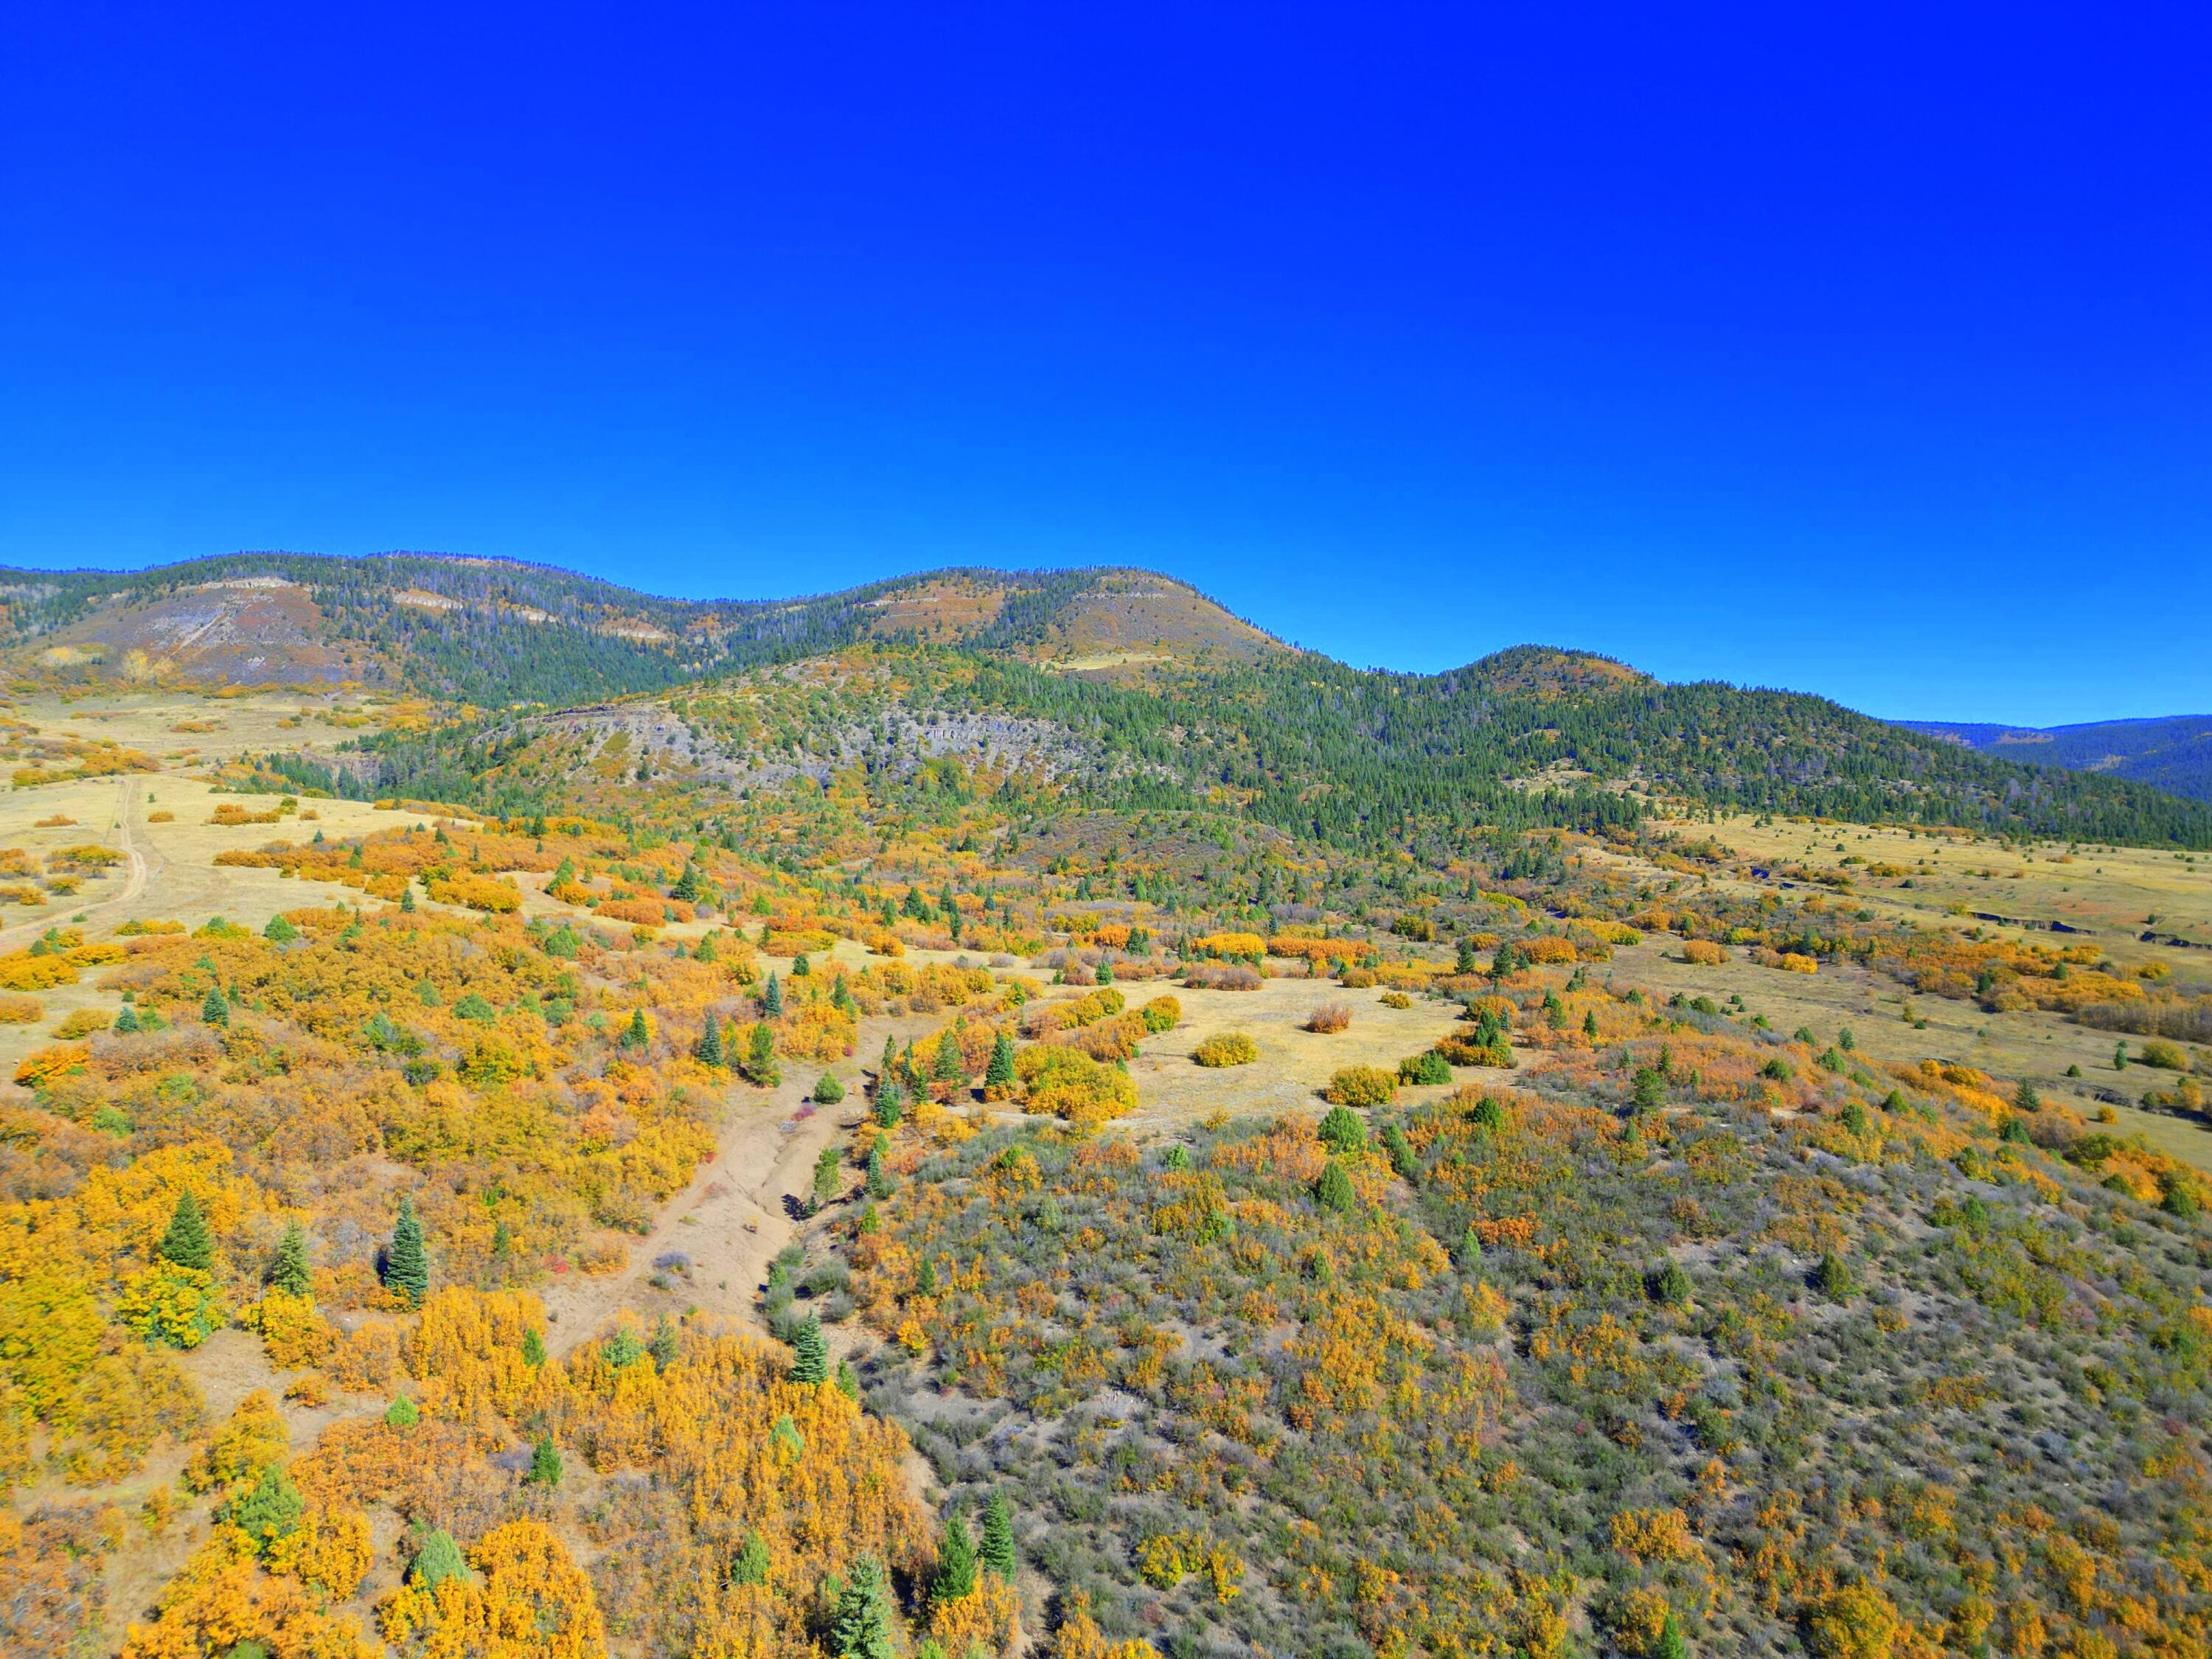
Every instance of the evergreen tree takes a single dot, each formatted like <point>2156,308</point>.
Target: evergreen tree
<point>950,1065</point>
<point>810,1359</point>
<point>800,968</point>
<point>439,1560</point>
<point>290,1272</point>
<point>639,1034</point>
<point>848,1383</point>
<point>187,1242</point>
<point>1589,1024</point>
<point>828,1091</point>
<point>998,1554</point>
<point>401,1413</point>
<point>772,1000</point>
<point>955,1563</point>
<point>269,1509</point>
<point>214,1011</point>
<point>406,1267</point>
<point>2025,1099</point>
<point>687,884</point>
<point>890,1102</point>
<point>126,1022</point>
<point>760,1057</point>
<point>879,1181</point>
<point>999,1073</point>
<point>861,1627</point>
<point>1671,1643</point>
<point>707,1051</point>
<point>407,899</point>
<point>533,1349</point>
<point>545,1463</point>
<point>1334,1191</point>
<point>827,1166</point>
<point>890,1058</point>
<point>665,1347</point>
<point>708,950</point>
<point>752,1563</point>
<point>279,931</point>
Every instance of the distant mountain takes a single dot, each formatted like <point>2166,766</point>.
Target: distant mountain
<point>495,632</point>
<point>2172,752</point>
<point>1132,682</point>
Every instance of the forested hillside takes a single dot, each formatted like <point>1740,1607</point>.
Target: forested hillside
<point>2173,753</point>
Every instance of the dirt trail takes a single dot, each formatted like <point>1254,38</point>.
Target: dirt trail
<point>128,803</point>
<point>734,1218</point>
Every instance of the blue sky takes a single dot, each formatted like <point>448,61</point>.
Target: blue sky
<point>1864,351</point>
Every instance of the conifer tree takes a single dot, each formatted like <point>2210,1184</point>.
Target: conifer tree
<point>760,1057</point>
<point>533,1348</point>
<point>279,931</point>
<point>750,1566</point>
<point>187,1242</point>
<point>214,1011</point>
<point>639,1034</point>
<point>1333,1190</point>
<point>999,1553</point>
<point>687,884</point>
<point>407,908</point>
<point>879,1181</point>
<point>708,950</point>
<point>401,1413</point>
<point>772,1000</point>
<point>707,1051</point>
<point>999,1073</point>
<point>950,1065</point>
<point>439,1560</point>
<point>890,1102</point>
<point>861,1628</point>
<point>810,1360</point>
<point>269,1509</point>
<point>545,1463</point>
<point>291,1273</point>
<point>406,1267</point>
<point>955,1563</point>
<point>126,1022</point>
<point>665,1347</point>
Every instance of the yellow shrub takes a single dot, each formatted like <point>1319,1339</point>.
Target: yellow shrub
<point>167,1303</point>
<point>293,1335</point>
<point>1226,1049</point>
<point>819,1031</point>
<point>1069,1083</point>
<point>252,1437</point>
<point>1549,947</point>
<point>82,1022</point>
<point>479,893</point>
<point>1361,1085</point>
<point>21,971</point>
<point>327,1552</point>
<point>1704,951</point>
<point>20,1010</point>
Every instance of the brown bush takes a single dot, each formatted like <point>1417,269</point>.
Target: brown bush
<point>1330,1016</point>
<point>1221,976</point>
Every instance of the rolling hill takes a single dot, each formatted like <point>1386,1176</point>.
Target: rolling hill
<point>1143,690</point>
<point>2173,752</point>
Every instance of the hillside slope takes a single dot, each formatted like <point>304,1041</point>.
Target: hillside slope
<point>495,632</point>
<point>2173,752</point>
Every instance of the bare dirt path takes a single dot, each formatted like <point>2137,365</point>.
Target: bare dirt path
<point>128,803</point>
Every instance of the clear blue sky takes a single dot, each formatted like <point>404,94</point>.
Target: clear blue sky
<point>1862,350</point>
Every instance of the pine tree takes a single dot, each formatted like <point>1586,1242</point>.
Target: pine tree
<point>187,1242</point>
<point>879,1181</point>
<point>545,1463</point>
<point>1334,1191</point>
<point>890,1058</point>
<point>687,884</point>
<point>708,950</point>
<point>665,1347</point>
<point>126,1022</point>
<point>214,1011</point>
<point>1589,1024</point>
<point>402,1413</point>
<point>861,1628</point>
<point>1671,1643</point>
<point>890,1102</point>
<point>999,1553</point>
<point>290,1272</point>
<point>268,1510</point>
<point>439,1560</point>
<point>707,1051</point>
<point>406,1267</point>
<point>955,1563</point>
<point>801,966</point>
<point>279,931</point>
<point>772,1000</point>
<point>2025,1099</point>
<point>638,1034</point>
<point>999,1073</point>
<point>950,1065</point>
<point>810,1360</point>
<point>533,1348</point>
<point>407,908</point>
<point>760,1057</point>
<point>750,1566</point>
